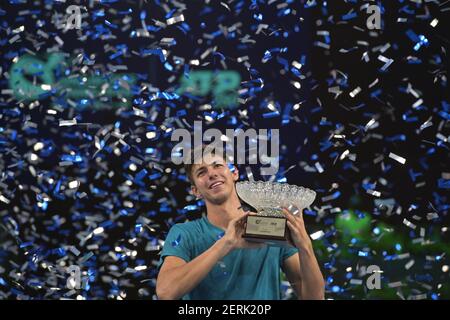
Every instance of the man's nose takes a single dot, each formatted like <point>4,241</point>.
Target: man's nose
<point>212,174</point>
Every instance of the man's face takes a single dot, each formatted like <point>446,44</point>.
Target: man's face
<point>213,179</point>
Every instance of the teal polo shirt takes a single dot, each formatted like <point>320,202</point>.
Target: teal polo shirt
<point>252,274</point>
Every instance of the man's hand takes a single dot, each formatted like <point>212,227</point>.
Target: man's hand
<point>233,235</point>
<point>298,235</point>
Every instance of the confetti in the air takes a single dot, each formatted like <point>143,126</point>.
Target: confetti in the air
<point>89,102</point>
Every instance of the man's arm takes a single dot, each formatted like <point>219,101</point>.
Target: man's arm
<point>178,277</point>
<point>291,267</point>
<point>302,268</point>
<point>304,276</point>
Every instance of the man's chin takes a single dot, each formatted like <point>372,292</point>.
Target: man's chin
<point>218,199</point>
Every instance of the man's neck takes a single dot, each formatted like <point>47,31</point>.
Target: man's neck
<point>221,214</point>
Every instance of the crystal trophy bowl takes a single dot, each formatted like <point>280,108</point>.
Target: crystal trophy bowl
<point>269,223</point>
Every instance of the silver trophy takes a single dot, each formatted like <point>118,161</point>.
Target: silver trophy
<point>268,225</point>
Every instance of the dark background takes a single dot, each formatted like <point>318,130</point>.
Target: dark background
<point>35,239</point>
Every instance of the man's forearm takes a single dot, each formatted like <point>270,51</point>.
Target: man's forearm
<point>181,280</point>
<point>313,285</point>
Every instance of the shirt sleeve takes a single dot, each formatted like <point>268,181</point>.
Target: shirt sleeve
<point>286,252</point>
<point>177,244</point>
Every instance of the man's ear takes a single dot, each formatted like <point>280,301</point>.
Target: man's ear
<point>195,192</point>
<point>235,173</point>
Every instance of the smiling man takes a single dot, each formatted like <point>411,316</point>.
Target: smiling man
<point>208,258</point>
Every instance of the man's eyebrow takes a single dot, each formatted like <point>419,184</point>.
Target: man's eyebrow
<point>204,166</point>
<point>217,162</point>
<point>199,169</point>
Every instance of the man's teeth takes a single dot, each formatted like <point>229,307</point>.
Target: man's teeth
<point>216,184</point>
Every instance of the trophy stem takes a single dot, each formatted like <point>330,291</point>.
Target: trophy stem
<point>271,212</point>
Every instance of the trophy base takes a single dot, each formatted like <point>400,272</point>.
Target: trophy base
<point>264,229</point>
<point>269,241</point>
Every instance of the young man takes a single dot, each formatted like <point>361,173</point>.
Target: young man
<point>208,258</point>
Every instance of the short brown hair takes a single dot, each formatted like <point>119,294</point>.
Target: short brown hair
<point>188,166</point>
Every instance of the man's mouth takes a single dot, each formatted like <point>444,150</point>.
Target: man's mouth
<point>216,184</point>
